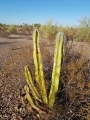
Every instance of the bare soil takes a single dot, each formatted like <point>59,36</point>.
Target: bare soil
<point>73,100</point>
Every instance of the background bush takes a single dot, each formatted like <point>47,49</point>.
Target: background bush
<point>11,29</point>
<point>83,34</point>
<point>83,31</point>
<point>49,30</point>
<point>79,33</point>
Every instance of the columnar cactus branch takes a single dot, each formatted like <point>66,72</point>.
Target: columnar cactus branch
<point>35,93</point>
<point>39,67</point>
<point>56,69</point>
<point>29,98</point>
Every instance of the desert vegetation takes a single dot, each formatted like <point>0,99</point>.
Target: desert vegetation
<point>50,29</point>
<point>72,99</point>
<point>39,91</point>
<point>78,33</point>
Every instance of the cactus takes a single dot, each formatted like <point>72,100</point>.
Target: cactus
<point>31,84</point>
<point>39,91</point>
<point>56,69</point>
<point>26,88</point>
<point>39,67</point>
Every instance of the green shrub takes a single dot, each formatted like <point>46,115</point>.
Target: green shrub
<point>49,30</point>
<point>83,34</point>
<point>25,25</point>
<point>83,31</point>
<point>12,29</point>
<point>36,25</point>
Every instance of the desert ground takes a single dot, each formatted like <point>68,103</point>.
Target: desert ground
<point>73,100</point>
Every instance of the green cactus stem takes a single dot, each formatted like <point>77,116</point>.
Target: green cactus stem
<point>39,67</point>
<point>26,88</point>
<point>31,84</point>
<point>56,69</point>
